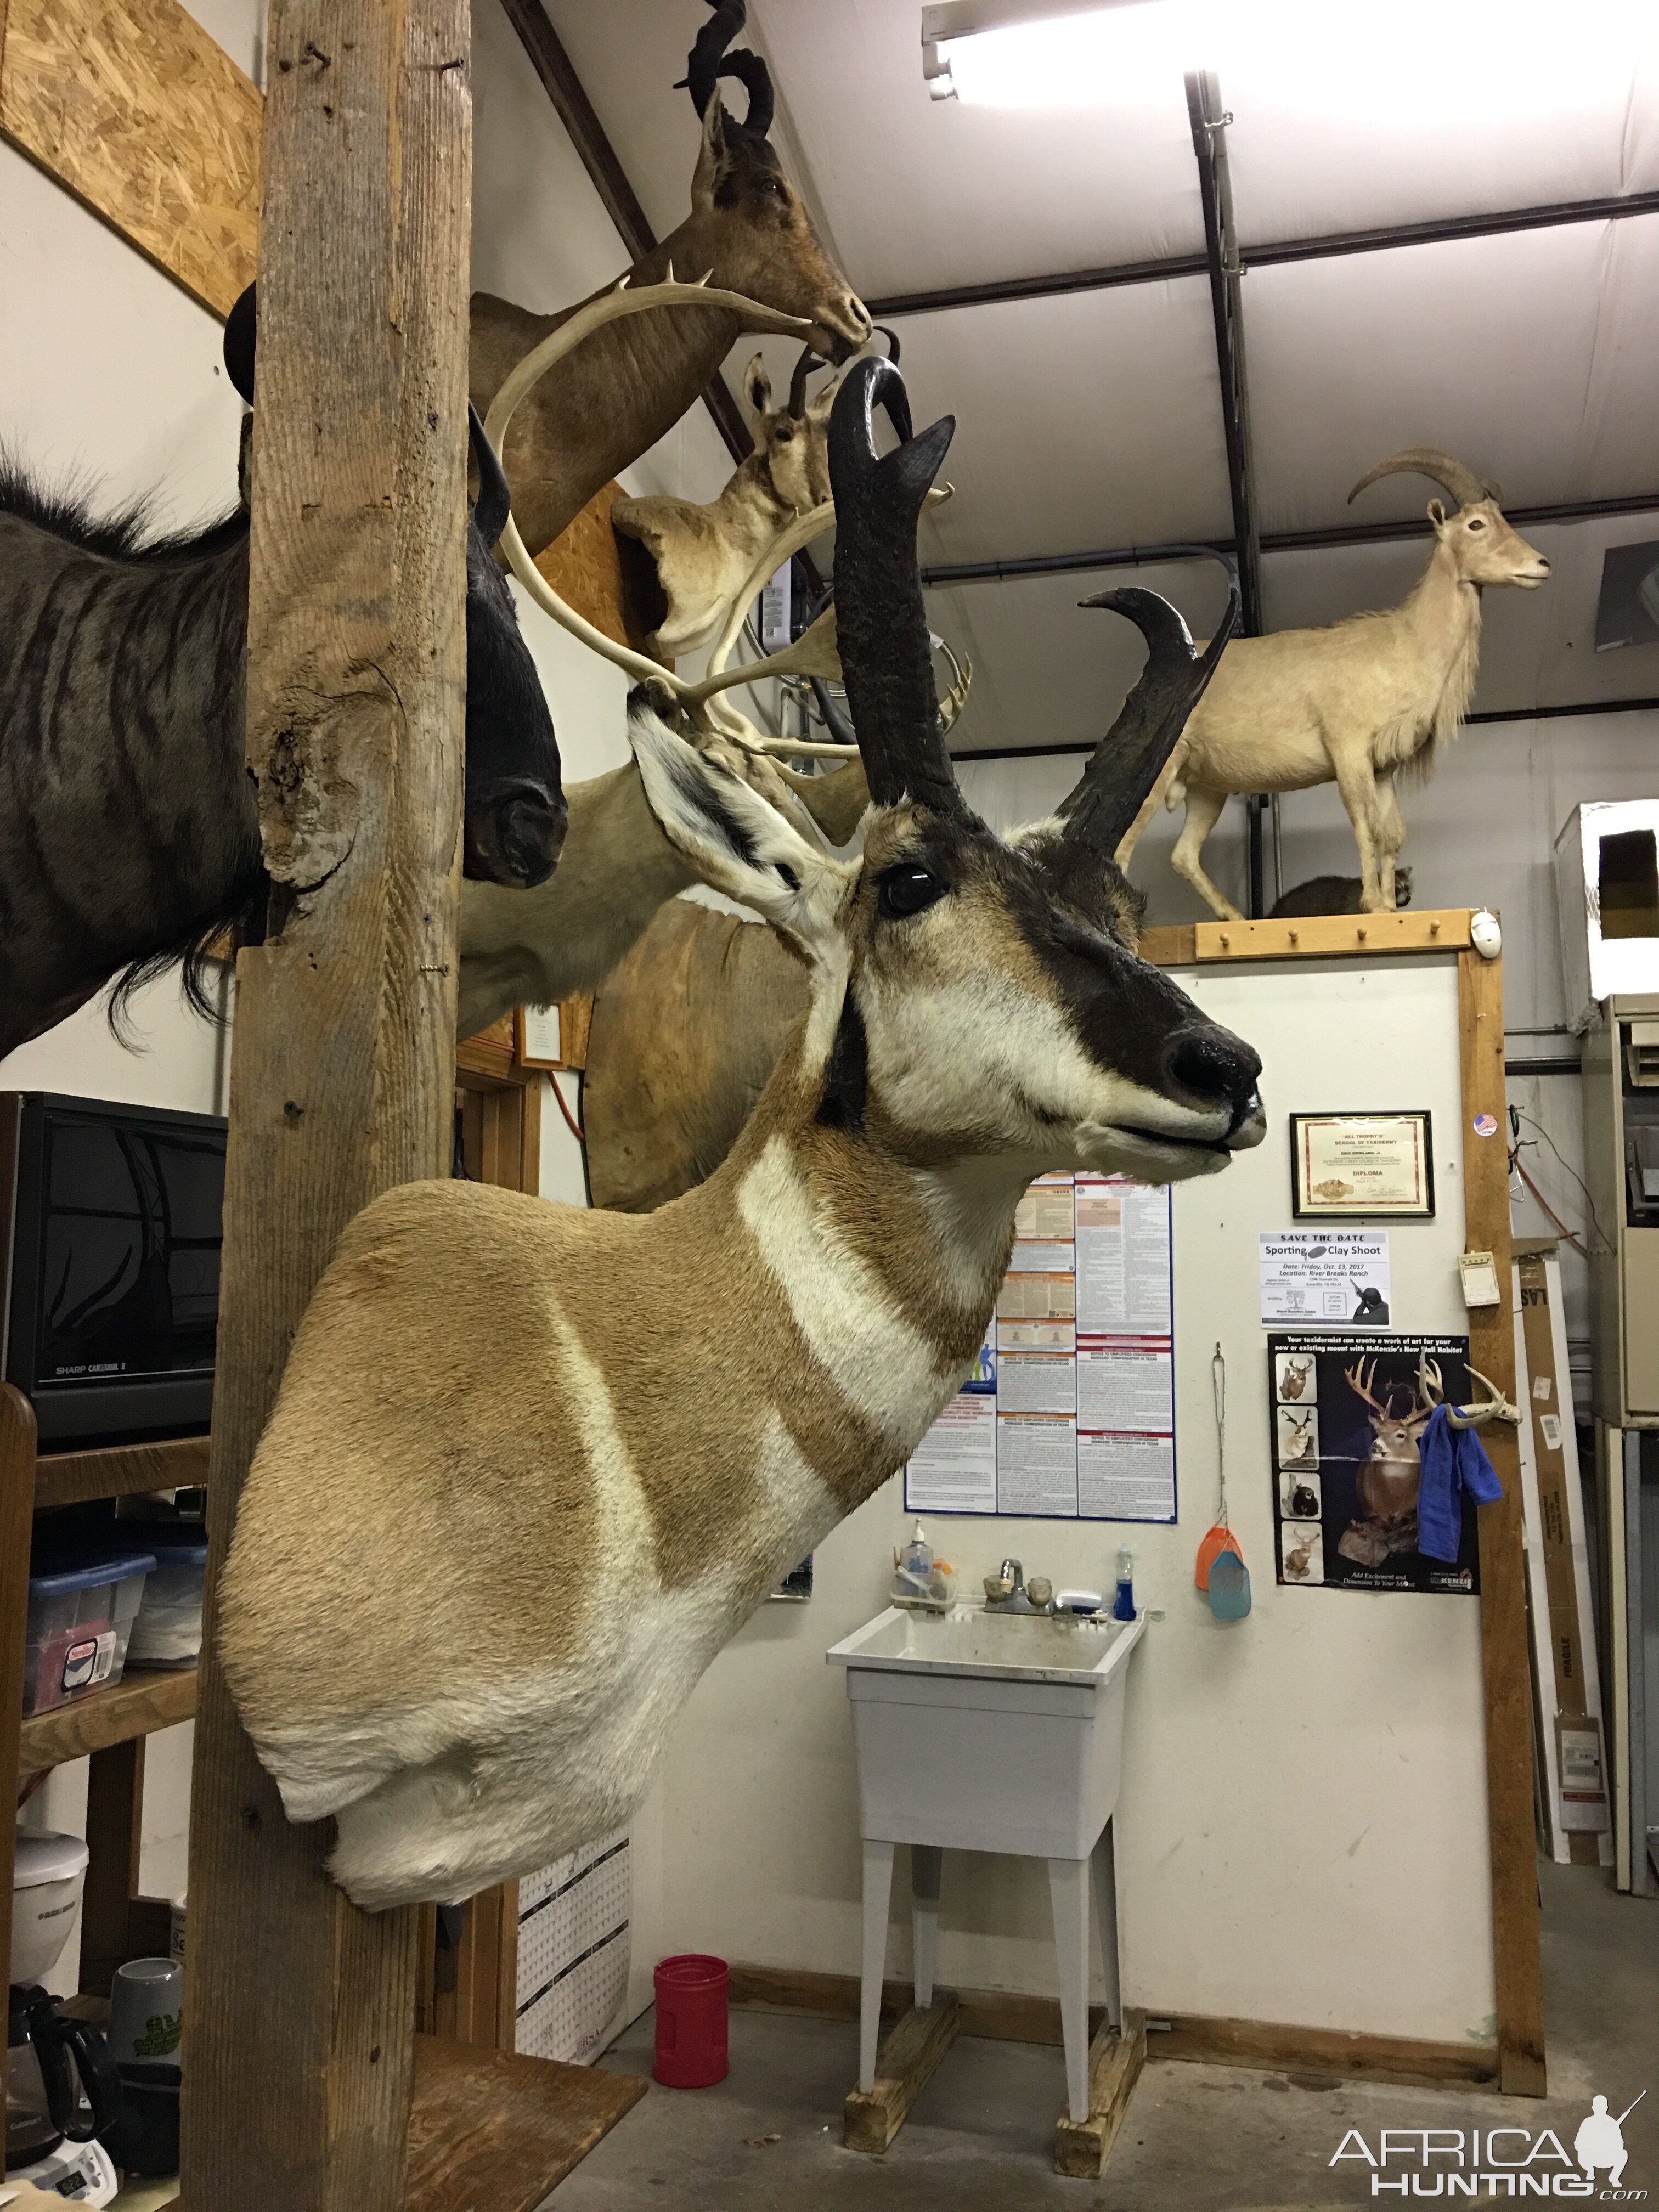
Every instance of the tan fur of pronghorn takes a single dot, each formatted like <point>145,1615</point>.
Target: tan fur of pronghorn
<point>1352,703</point>
<point>703,552</point>
<point>615,872</point>
<point>529,1466</point>
<point>631,383</point>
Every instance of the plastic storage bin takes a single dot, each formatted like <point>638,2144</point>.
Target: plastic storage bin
<point>169,1630</point>
<point>691,2021</point>
<point>81,1613</point>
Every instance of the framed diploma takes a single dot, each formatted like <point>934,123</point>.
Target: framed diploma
<point>538,1040</point>
<point>1361,1167</point>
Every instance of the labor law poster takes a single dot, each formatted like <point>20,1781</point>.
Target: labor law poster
<point>1071,1415</point>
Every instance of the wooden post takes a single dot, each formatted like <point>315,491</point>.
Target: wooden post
<point>1504,1655</point>
<point>17,1452</point>
<point>301,2007</point>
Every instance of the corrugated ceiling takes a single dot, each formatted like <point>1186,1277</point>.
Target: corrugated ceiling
<point>1093,419</point>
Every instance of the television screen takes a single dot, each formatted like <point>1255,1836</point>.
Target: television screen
<point>129,1249</point>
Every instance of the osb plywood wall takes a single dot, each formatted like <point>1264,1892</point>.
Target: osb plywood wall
<point>584,566</point>
<point>133,108</point>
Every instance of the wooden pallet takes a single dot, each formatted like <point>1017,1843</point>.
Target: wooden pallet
<point>1082,2147</point>
<point>909,2054</point>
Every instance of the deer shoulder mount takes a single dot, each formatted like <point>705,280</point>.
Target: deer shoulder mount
<point>490,1540</point>
<point>1356,701</point>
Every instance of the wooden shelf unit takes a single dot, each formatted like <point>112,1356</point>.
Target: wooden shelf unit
<point>138,1704</point>
<point>109,1727</point>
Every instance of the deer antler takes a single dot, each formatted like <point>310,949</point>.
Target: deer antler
<point>813,653</point>
<point>1494,1406</point>
<point>609,307</point>
<point>962,677</point>
<point>1360,1383</point>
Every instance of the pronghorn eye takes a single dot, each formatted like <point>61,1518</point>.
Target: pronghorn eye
<point>906,889</point>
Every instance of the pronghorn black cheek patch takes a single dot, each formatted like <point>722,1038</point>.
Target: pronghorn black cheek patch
<point>847,1079</point>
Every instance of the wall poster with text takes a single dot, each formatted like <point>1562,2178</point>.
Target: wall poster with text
<point>1348,1414</point>
<point>1070,1413</point>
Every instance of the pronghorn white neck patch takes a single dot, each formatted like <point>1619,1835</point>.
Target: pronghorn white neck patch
<point>883,1366</point>
<point>626,1544</point>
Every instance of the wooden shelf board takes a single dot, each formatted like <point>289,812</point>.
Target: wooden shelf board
<point>137,1705</point>
<point>493,2132</point>
<point>1309,937</point>
<point>119,1471</point>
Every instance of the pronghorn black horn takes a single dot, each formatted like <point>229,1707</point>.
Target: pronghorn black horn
<point>708,61</point>
<point>803,368</point>
<point>1129,759</point>
<point>881,622</point>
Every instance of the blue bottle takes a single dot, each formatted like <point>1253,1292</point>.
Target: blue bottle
<point>1123,1604</point>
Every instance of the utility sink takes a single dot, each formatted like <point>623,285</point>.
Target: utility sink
<point>990,1732</point>
<point>987,1732</point>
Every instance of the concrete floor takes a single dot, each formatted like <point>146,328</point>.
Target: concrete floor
<point>1198,2138</point>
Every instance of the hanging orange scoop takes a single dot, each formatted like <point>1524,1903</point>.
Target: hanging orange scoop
<point>1219,1540</point>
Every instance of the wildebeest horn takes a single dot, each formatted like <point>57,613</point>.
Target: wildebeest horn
<point>892,338</point>
<point>241,326</point>
<point>886,659</point>
<point>1129,759</point>
<point>708,61</point>
<point>495,501</point>
<point>803,368</point>
<point>1462,483</point>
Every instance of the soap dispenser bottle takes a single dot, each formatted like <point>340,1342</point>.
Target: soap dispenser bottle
<point>1123,1604</point>
<point>917,1563</point>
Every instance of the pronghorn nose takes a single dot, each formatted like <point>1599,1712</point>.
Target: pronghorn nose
<point>1214,1068</point>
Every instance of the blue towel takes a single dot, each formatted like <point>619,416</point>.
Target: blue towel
<point>1454,1461</point>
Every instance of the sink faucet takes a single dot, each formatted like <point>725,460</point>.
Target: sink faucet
<point>1006,1592</point>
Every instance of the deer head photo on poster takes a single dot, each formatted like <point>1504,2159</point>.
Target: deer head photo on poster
<point>1349,1416</point>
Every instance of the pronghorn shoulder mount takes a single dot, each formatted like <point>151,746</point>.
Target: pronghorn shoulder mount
<point>531,1467</point>
<point>702,552</point>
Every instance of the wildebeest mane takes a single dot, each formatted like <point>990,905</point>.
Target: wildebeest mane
<point>127,533</point>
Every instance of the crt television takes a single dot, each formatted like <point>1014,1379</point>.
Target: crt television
<point>109,1292</point>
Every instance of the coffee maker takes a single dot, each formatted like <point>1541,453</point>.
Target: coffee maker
<point>62,2086</point>
<point>61,2082</point>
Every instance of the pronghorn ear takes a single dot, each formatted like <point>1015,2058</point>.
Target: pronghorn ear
<point>736,840</point>
<point>757,395</point>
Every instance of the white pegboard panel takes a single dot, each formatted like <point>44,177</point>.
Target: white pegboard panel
<point>573,1950</point>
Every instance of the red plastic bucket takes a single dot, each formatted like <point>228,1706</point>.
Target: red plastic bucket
<point>691,2014</point>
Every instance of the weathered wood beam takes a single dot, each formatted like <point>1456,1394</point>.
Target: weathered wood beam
<point>302,2008</point>
<point>1082,2147</point>
<point>1505,1658</point>
<point>908,2060</point>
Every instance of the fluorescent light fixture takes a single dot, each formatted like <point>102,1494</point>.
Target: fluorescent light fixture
<point>1440,65</point>
<point>1028,35</point>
